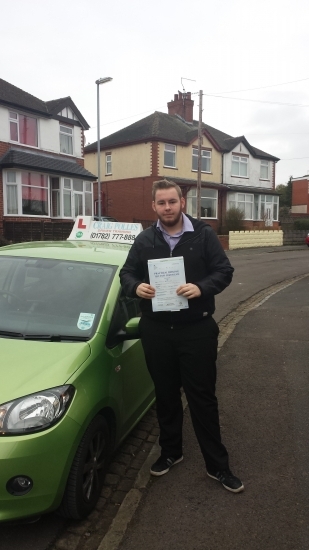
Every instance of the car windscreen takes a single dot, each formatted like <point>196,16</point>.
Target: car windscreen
<point>51,298</point>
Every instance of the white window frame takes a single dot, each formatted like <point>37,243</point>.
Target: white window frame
<point>264,167</point>
<point>273,202</point>
<point>240,161</point>
<point>67,188</point>
<point>19,186</point>
<point>205,159</point>
<point>108,164</point>
<point>208,194</point>
<point>169,149</point>
<point>68,113</point>
<point>235,200</point>
<point>87,195</point>
<point>66,134</point>
<point>17,122</point>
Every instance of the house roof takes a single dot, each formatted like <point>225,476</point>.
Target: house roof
<point>173,129</point>
<point>16,158</point>
<point>193,183</point>
<point>56,105</point>
<point>14,97</point>
<point>251,189</point>
<point>184,182</point>
<point>11,95</point>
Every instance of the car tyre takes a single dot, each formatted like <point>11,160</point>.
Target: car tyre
<point>88,471</point>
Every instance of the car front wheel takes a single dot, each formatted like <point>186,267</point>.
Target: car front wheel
<point>87,472</point>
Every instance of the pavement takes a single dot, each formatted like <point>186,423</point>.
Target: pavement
<point>262,389</point>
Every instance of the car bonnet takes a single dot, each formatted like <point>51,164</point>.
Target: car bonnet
<point>31,366</point>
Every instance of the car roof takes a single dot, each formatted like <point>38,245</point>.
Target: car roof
<point>77,251</point>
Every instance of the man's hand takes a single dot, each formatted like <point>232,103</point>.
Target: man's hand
<point>145,291</point>
<point>188,291</point>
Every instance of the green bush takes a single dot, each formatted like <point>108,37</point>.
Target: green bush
<point>234,220</point>
<point>302,224</point>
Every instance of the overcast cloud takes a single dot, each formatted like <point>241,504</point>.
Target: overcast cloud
<point>234,49</point>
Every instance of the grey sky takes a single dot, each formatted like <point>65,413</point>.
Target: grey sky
<point>56,48</point>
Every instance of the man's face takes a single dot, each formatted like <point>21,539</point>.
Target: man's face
<point>168,206</point>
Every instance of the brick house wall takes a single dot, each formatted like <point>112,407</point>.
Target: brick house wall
<point>300,193</point>
<point>128,200</point>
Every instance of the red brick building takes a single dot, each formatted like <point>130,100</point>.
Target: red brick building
<point>300,195</point>
<point>43,182</point>
<point>234,173</point>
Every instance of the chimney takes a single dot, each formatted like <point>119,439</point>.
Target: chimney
<point>182,105</point>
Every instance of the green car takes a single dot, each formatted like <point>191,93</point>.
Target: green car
<point>73,375</point>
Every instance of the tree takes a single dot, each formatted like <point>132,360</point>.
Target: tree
<point>285,193</point>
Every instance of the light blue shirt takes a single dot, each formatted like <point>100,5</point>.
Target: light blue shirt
<point>172,240</point>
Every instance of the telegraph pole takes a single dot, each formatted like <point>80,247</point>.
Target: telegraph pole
<point>199,158</point>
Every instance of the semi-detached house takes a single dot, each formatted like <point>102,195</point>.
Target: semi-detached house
<point>43,182</point>
<point>234,173</point>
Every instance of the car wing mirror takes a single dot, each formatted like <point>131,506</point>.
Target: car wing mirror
<point>131,330</point>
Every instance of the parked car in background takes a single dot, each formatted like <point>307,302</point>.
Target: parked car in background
<point>307,239</point>
<point>73,375</point>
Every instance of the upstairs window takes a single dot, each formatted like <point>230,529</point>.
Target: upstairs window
<point>23,129</point>
<point>205,160</point>
<point>264,172</point>
<point>239,166</point>
<point>108,163</point>
<point>170,155</point>
<point>66,139</point>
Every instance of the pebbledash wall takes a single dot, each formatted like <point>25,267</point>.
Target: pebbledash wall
<point>254,239</point>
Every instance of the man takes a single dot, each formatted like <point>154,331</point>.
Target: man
<point>181,346</point>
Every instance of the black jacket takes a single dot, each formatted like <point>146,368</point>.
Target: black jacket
<point>206,265</point>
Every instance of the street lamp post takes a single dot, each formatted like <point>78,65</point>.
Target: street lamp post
<point>98,82</point>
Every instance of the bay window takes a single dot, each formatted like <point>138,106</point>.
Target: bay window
<point>36,194</point>
<point>11,193</point>
<point>269,208</point>
<point>23,129</point>
<point>205,160</point>
<point>243,201</point>
<point>257,207</point>
<point>239,166</point>
<point>209,203</point>
<point>76,198</point>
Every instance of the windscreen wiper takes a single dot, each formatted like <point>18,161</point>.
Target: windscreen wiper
<point>55,337</point>
<point>9,334</point>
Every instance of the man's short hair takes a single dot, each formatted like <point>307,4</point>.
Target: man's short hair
<point>165,184</point>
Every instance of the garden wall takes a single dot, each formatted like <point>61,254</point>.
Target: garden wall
<point>253,239</point>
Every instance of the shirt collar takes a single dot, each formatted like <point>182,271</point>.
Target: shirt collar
<point>186,226</point>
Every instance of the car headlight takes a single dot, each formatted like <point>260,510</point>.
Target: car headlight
<point>35,412</point>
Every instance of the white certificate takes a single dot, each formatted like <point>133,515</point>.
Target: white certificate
<point>166,275</point>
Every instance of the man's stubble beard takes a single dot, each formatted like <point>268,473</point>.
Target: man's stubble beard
<point>170,223</point>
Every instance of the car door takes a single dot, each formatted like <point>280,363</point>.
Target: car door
<point>129,362</point>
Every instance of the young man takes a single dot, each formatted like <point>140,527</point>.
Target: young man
<point>181,346</point>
